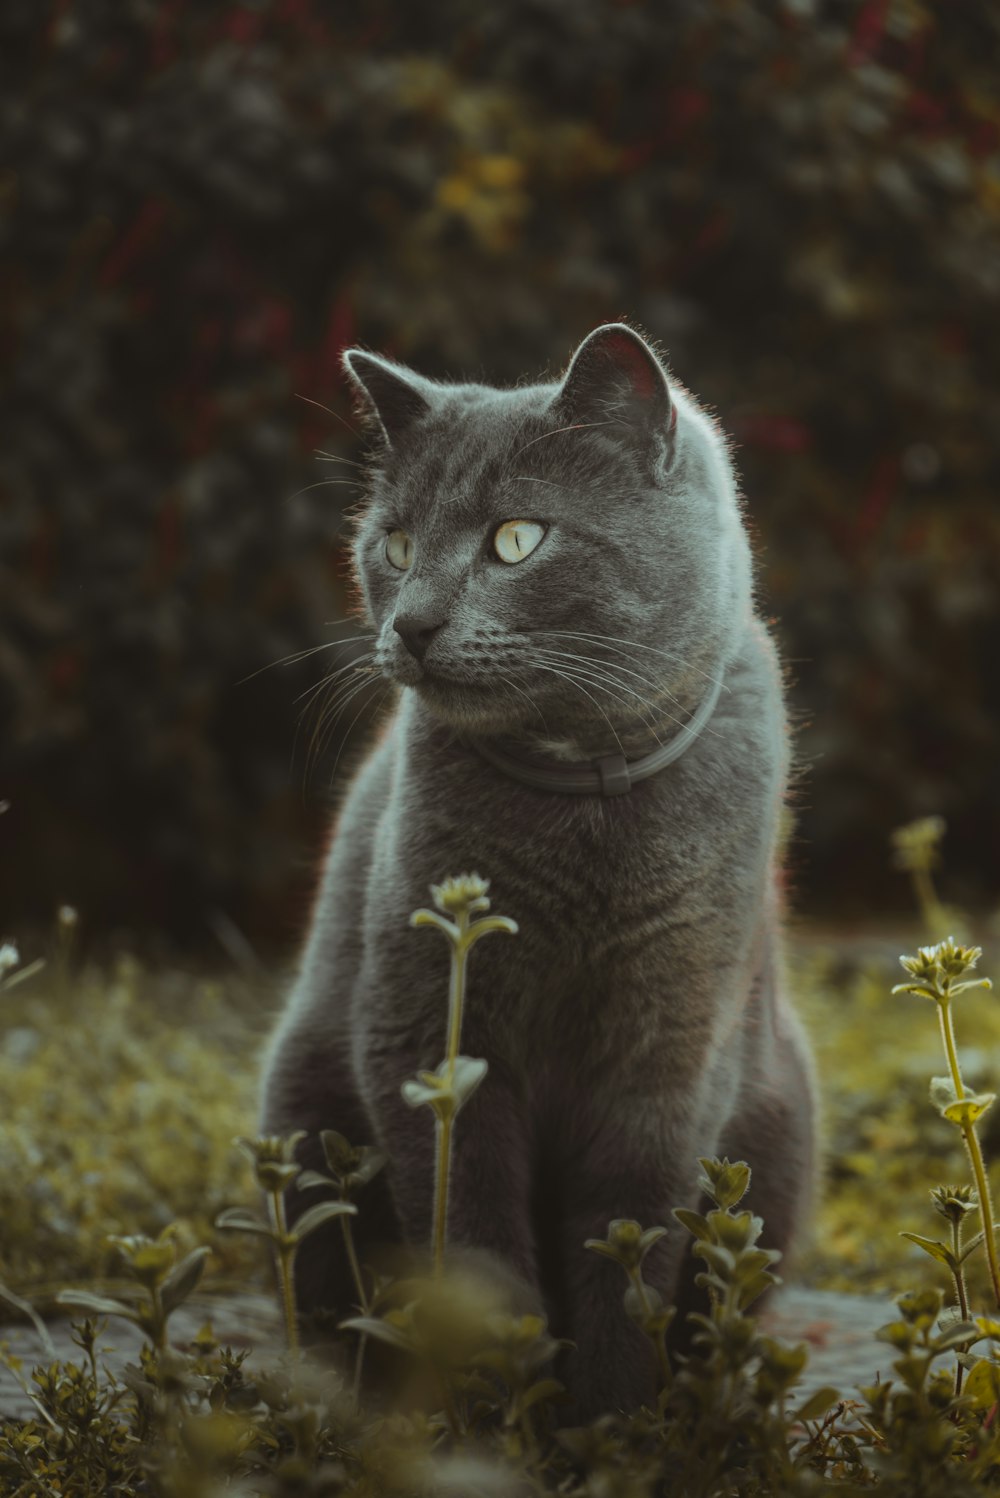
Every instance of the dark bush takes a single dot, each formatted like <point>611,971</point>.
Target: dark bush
<point>205,203</point>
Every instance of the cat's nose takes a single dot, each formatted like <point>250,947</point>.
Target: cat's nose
<point>416,632</point>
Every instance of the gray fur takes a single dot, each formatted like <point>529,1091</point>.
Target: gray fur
<point>638,1020</point>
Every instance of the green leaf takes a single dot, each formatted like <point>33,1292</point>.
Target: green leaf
<point>696,1224</point>
<point>339,1152</point>
<point>634,1303</point>
<point>735,1231</point>
<point>381,1331</point>
<point>897,1334</point>
<point>598,1246</point>
<point>942,1092</point>
<point>969,1109</point>
<point>983,1384</point>
<point>416,1094</point>
<point>912,1369</point>
<point>238,1219</point>
<point>755,1287</point>
<point>183,1278</point>
<point>971,983</point>
<point>955,1335</point>
<point>469,1073</point>
<point>539,1393</point>
<point>102,1305</point>
<point>373,1161</point>
<point>309,1180</point>
<point>973,1243</point>
<point>649,1237</point>
<point>316,1216</point>
<point>817,1404</point>
<point>488,924</point>
<point>431,918</point>
<point>936,1250</point>
<point>921,1308</point>
<point>725,1181</point>
<point>921,989</point>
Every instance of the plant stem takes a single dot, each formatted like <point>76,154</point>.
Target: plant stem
<point>456,1003</point>
<point>352,1259</point>
<point>972,1146</point>
<point>159,1320</point>
<point>948,1038</point>
<point>985,1205</point>
<point>441,1180</point>
<point>456,998</point>
<point>927,900</point>
<point>286,1254</point>
<point>657,1339</point>
<point>963,1299</point>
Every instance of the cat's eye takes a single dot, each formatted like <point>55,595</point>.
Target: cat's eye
<point>516,539</point>
<point>399,549</point>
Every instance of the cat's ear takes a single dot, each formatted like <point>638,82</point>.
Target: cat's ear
<point>394,395</point>
<point>615,378</point>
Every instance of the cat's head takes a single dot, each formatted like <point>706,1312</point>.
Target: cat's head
<point>554,560</point>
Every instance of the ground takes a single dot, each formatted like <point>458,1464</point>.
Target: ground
<point>127,1087</point>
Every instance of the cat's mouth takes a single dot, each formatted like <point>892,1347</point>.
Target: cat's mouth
<point>458,701</point>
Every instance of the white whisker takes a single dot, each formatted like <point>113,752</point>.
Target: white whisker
<point>577,426</point>
<point>564,676</point>
<point>572,634</point>
<point>597,678</point>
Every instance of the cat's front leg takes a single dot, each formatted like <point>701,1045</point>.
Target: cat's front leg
<point>614,1365</point>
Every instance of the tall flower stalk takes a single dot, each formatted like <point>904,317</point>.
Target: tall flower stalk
<point>941,973</point>
<point>275,1167</point>
<point>916,850</point>
<point>447,1089</point>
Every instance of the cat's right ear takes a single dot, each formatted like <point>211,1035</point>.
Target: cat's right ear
<point>394,395</point>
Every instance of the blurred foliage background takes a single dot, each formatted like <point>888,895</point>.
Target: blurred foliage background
<point>204,203</point>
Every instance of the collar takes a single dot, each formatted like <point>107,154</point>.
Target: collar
<point>605,775</point>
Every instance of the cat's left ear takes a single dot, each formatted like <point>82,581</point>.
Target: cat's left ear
<point>393,393</point>
<point>615,378</point>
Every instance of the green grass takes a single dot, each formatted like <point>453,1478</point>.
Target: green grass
<point>124,1090</point>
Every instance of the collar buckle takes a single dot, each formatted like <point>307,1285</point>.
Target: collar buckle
<point>614,775</point>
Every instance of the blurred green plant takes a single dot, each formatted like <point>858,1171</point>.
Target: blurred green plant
<point>351,1170</point>
<point>447,1089</point>
<point>940,973</point>
<point>478,1409</point>
<point>275,1169</point>
<point>162,1284</point>
<point>916,849</point>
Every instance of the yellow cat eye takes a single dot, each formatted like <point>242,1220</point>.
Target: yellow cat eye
<point>399,549</point>
<point>516,539</point>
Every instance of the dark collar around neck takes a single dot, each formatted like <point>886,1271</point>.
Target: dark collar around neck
<point>604,775</point>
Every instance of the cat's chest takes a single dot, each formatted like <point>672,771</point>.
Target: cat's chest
<point>591,882</point>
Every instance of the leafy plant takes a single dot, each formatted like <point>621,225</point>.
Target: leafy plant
<point>940,973</point>
<point>276,1170</point>
<point>478,1407</point>
<point>162,1284</point>
<point>447,1089</point>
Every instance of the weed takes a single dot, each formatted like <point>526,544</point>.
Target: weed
<point>480,1411</point>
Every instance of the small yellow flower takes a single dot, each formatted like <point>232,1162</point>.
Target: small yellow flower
<point>273,1158</point>
<point>915,846</point>
<point>936,971</point>
<point>149,1260</point>
<point>954,1201</point>
<point>463,893</point>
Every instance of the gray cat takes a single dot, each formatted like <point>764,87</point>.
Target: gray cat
<point>590,715</point>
